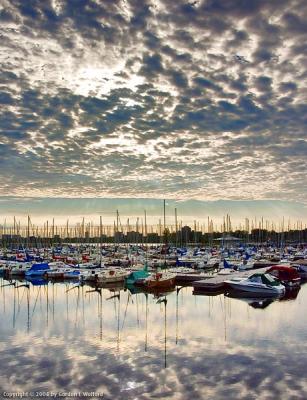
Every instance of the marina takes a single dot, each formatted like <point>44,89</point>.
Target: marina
<point>115,323</point>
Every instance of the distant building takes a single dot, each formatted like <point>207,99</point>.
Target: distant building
<point>134,237</point>
<point>186,234</point>
<point>152,238</point>
<point>228,240</point>
<point>10,237</point>
<point>57,238</point>
<point>119,237</point>
<point>196,236</point>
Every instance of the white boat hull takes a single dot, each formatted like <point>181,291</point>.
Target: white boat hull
<point>259,289</point>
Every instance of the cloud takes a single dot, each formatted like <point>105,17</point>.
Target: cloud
<point>95,95</point>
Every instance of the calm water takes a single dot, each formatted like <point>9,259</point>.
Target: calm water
<point>133,346</point>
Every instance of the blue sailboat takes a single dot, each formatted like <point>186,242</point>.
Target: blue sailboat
<point>37,270</point>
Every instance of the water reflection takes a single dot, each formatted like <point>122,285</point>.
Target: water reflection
<point>127,343</point>
<point>255,302</point>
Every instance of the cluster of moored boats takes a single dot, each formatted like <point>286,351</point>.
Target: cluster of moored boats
<point>267,271</point>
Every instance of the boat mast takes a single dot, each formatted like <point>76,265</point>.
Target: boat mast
<point>164,233</point>
<point>176,227</point>
<point>100,238</point>
<point>145,222</point>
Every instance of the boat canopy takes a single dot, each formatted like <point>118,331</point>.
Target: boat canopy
<point>283,272</point>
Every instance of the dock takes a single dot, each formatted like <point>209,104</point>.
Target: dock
<point>218,282</point>
<point>189,278</point>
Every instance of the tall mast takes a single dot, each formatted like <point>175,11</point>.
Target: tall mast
<point>176,227</point>
<point>117,218</point>
<point>164,233</point>
<point>164,217</point>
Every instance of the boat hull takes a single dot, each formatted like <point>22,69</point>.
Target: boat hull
<point>110,279</point>
<point>158,283</point>
<point>263,289</point>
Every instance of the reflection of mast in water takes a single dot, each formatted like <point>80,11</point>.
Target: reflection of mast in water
<point>146,323</point>
<point>3,294</point>
<point>224,316</point>
<point>66,292</point>
<point>77,306</point>
<point>28,313</point>
<point>100,331</point>
<point>14,311</point>
<point>18,303</point>
<point>53,301</point>
<point>3,291</point>
<point>177,311</point>
<point>47,304</point>
<point>117,315</point>
<point>137,310</point>
<point>83,315</point>
<point>99,313</point>
<point>165,335</point>
<point>125,313</point>
<point>3,300</point>
<point>27,288</point>
<point>118,337</point>
<point>225,321</point>
<point>38,292</point>
<point>99,307</point>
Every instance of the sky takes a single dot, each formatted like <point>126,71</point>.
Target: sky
<point>202,100</point>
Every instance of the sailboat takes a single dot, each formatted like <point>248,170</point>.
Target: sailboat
<point>157,280</point>
<point>136,276</point>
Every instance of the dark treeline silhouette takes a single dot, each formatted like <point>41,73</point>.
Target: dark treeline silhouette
<point>183,237</point>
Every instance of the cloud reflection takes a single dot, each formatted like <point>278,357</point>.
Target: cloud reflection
<point>225,348</point>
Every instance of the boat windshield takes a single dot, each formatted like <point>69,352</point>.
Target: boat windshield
<point>255,278</point>
<point>268,279</point>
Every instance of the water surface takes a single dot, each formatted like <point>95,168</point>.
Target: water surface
<point>127,345</point>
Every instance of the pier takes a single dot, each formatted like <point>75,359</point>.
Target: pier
<point>218,282</point>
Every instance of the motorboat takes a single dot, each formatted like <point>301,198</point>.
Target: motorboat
<point>246,264</point>
<point>18,268</point>
<point>212,262</point>
<point>226,271</point>
<point>260,283</point>
<point>301,269</point>
<point>226,268</point>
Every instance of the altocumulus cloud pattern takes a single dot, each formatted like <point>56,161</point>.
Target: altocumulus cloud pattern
<point>200,99</point>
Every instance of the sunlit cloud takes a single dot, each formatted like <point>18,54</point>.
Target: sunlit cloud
<point>201,100</point>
